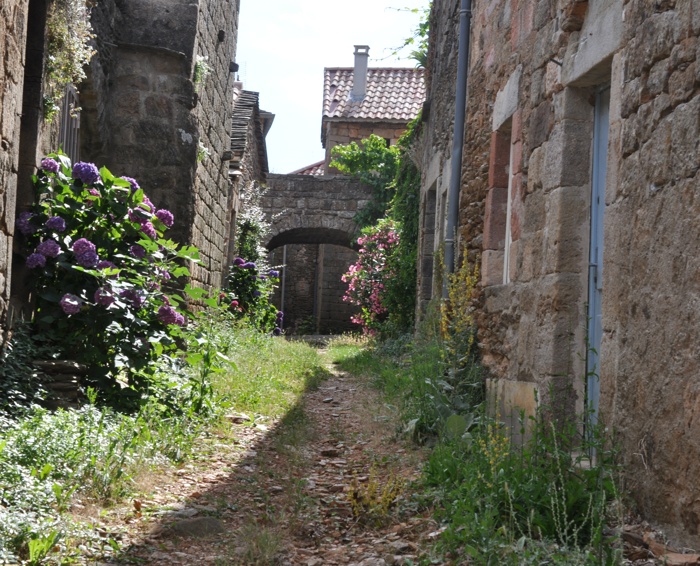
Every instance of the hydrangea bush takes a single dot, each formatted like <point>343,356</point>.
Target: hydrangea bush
<point>367,278</point>
<point>249,286</point>
<point>103,272</point>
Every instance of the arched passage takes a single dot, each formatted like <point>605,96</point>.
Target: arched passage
<point>312,236</point>
<point>311,289</point>
<point>313,232</point>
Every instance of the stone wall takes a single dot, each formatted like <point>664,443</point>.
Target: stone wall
<point>650,374</point>
<point>310,209</point>
<point>536,71</point>
<point>13,29</point>
<point>146,118</point>
<point>217,33</point>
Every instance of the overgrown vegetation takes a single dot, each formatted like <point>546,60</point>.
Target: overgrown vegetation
<point>533,495</point>
<point>383,281</point>
<point>51,461</point>
<point>69,36</point>
<point>105,280</point>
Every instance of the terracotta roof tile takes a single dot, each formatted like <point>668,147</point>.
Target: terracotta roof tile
<point>314,169</point>
<point>393,94</point>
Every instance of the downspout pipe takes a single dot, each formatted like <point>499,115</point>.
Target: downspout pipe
<point>465,19</point>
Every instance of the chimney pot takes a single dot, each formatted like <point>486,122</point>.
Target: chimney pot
<point>359,79</point>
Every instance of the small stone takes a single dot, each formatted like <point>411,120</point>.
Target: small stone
<point>400,546</point>
<point>238,418</point>
<point>330,452</point>
<point>276,489</point>
<point>198,527</point>
<point>328,400</point>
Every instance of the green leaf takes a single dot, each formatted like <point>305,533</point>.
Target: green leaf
<point>194,292</point>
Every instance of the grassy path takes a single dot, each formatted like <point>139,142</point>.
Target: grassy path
<point>326,483</point>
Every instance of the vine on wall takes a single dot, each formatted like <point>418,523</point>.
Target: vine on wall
<point>68,50</point>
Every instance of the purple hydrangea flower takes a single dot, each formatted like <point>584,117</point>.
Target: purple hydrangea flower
<point>88,173</point>
<point>24,224</point>
<point>148,229</point>
<point>56,223</point>
<point>136,298</point>
<point>88,259</point>
<point>146,201</point>
<point>36,260</point>
<point>164,274</point>
<point>70,304</point>
<point>256,293</point>
<point>166,217</point>
<point>94,192</point>
<point>274,273</point>
<point>277,331</point>
<point>280,314</point>
<point>133,183</point>
<point>249,265</point>
<point>137,251</point>
<point>49,165</point>
<point>49,248</point>
<point>104,264</point>
<point>104,296</point>
<point>169,315</point>
<point>82,246</point>
<point>238,261</point>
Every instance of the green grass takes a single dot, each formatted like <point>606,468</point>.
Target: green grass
<point>96,454</point>
<point>270,374</point>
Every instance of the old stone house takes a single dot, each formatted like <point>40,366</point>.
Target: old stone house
<point>579,199</point>
<point>313,239</point>
<point>155,106</point>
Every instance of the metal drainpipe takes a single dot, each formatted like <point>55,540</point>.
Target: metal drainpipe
<point>465,17</point>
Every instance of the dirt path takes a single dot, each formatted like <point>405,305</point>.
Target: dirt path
<point>284,492</point>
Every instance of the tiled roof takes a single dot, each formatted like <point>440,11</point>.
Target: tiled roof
<point>393,95</point>
<point>314,169</point>
<point>246,110</point>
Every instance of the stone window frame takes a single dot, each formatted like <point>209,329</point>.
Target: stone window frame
<point>500,232</point>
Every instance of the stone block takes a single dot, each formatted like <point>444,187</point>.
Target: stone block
<point>495,218</point>
<point>507,100</point>
<point>515,404</point>
<point>566,230</point>
<point>499,159</point>
<point>588,57</point>
<point>685,139</point>
<point>567,157</point>
<point>540,124</point>
<point>492,267</point>
<point>535,169</point>
<point>573,104</point>
<point>681,83</point>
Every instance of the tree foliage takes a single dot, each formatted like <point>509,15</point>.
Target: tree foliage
<point>375,164</point>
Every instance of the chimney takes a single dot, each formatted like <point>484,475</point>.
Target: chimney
<point>359,80</point>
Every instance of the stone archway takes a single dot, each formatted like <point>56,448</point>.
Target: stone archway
<point>313,234</point>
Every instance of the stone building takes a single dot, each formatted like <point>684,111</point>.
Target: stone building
<point>155,106</point>
<point>579,197</point>
<point>314,237</point>
<point>248,166</point>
